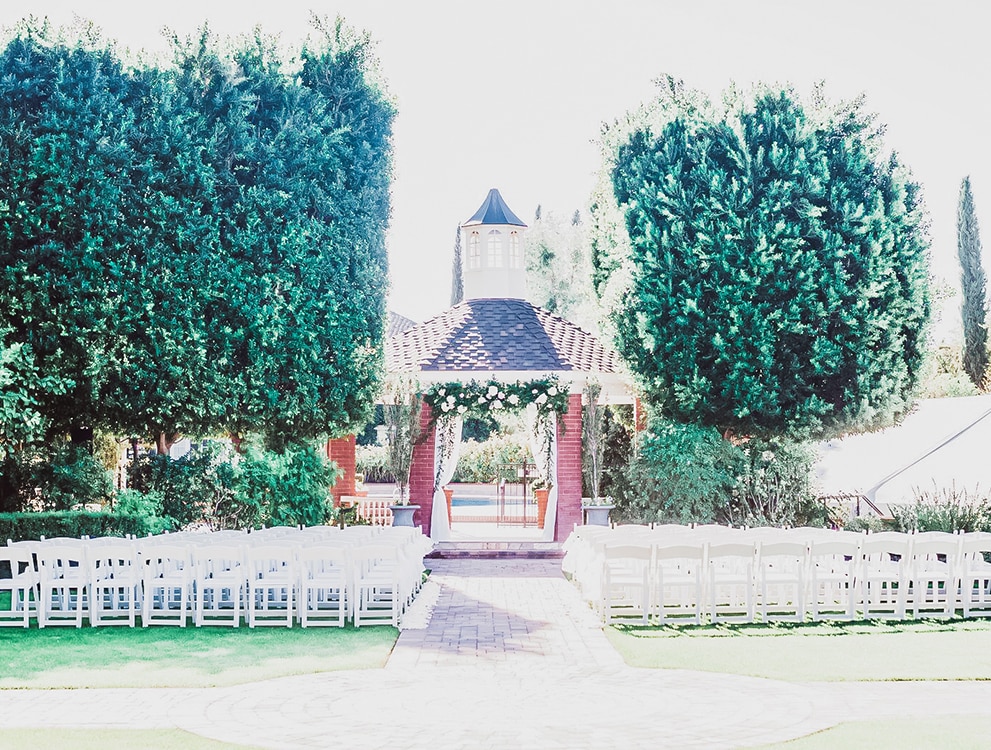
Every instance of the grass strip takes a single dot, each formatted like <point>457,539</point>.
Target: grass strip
<point>967,732</point>
<point>182,657</point>
<point>911,650</point>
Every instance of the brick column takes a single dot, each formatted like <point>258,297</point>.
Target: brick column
<point>639,415</point>
<point>341,452</point>
<point>569,469</point>
<point>421,475</point>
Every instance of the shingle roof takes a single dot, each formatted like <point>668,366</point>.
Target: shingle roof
<point>397,324</point>
<point>498,334</point>
<point>494,211</point>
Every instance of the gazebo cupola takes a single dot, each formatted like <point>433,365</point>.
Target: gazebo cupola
<point>494,259</point>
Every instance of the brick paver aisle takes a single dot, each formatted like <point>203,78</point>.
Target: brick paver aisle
<point>498,654</point>
<point>509,612</point>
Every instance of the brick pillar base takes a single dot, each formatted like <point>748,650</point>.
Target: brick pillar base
<point>341,452</point>
<point>569,469</point>
<point>421,475</point>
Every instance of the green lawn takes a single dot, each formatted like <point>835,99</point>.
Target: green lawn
<point>923,650</point>
<point>182,657</point>
<point>957,732</point>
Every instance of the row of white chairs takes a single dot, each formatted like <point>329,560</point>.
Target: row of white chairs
<point>681,574</point>
<point>313,576</point>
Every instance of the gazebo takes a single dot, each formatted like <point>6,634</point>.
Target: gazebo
<point>495,335</point>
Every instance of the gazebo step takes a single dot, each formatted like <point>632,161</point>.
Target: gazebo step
<point>497,550</point>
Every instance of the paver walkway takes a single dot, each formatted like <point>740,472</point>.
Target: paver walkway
<point>509,657</point>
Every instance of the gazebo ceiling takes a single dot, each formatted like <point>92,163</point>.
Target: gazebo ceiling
<point>510,338</point>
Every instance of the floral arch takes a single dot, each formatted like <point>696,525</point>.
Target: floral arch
<point>544,401</point>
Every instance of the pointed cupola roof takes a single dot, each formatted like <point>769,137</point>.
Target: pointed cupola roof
<point>494,211</point>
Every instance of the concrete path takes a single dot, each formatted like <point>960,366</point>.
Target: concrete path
<point>499,654</point>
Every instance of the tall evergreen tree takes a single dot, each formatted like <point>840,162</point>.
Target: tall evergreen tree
<point>777,283</point>
<point>973,281</point>
<point>457,271</point>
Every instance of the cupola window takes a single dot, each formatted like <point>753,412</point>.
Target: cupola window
<point>515,256</point>
<point>474,250</point>
<point>495,249</point>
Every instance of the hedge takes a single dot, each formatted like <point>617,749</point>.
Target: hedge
<point>70,523</point>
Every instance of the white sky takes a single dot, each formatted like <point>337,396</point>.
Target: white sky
<point>511,94</point>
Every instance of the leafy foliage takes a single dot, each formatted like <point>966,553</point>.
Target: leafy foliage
<point>196,247</point>
<point>776,277</point>
<point>59,477</point>
<point>973,281</point>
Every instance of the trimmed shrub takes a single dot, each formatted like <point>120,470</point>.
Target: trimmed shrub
<point>50,524</point>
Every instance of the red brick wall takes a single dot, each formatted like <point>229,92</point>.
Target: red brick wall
<point>341,452</point>
<point>569,469</point>
<point>421,475</point>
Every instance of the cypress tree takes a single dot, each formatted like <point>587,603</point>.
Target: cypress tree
<point>457,272</point>
<point>974,282</point>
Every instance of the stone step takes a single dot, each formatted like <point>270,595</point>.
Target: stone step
<point>497,550</point>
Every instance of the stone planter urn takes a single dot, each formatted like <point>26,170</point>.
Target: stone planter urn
<point>541,494</point>
<point>597,515</point>
<point>402,515</point>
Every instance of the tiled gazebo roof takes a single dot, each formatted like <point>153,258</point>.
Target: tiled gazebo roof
<point>498,334</point>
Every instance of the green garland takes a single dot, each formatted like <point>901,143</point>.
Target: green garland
<point>448,400</point>
<point>477,399</point>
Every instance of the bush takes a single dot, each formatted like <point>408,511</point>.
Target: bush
<point>373,462</point>
<point>50,524</point>
<point>148,506</point>
<point>282,489</point>
<point>479,462</point>
<point>211,484</point>
<point>689,474</point>
<point>776,488</point>
<point>63,476</point>
<point>192,487</point>
<point>944,509</point>
<point>683,473</point>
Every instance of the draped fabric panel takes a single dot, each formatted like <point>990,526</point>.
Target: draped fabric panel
<point>447,449</point>
<point>545,458</point>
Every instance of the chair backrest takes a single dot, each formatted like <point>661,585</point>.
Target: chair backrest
<point>217,559</point>
<point>61,559</point>
<point>676,551</point>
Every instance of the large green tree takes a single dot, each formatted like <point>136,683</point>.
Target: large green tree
<point>196,247</point>
<point>973,281</point>
<point>776,275</point>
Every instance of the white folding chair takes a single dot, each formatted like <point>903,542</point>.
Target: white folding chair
<point>115,582</point>
<point>781,580</point>
<point>377,575</point>
<point>975,574</point>
<point>219,584</point>
<point>833,567</point>
<point>934,577</point>
<point>626,590</point>
<point>324,585</point>
<point>19,578</point>
<point>167,578</point>
<point>63,582</point>
<point>272,581</point>
<point>885,560</point>
<point>678,583</point>
<point>730,585</point>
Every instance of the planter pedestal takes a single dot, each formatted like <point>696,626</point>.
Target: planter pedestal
<point>541,495</point>
<point>597,515</point>
<point>449,495</point>
<point>402,515</point>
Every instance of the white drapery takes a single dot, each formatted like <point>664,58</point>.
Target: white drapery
<point>447,449</point>
<point>543,446</point>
